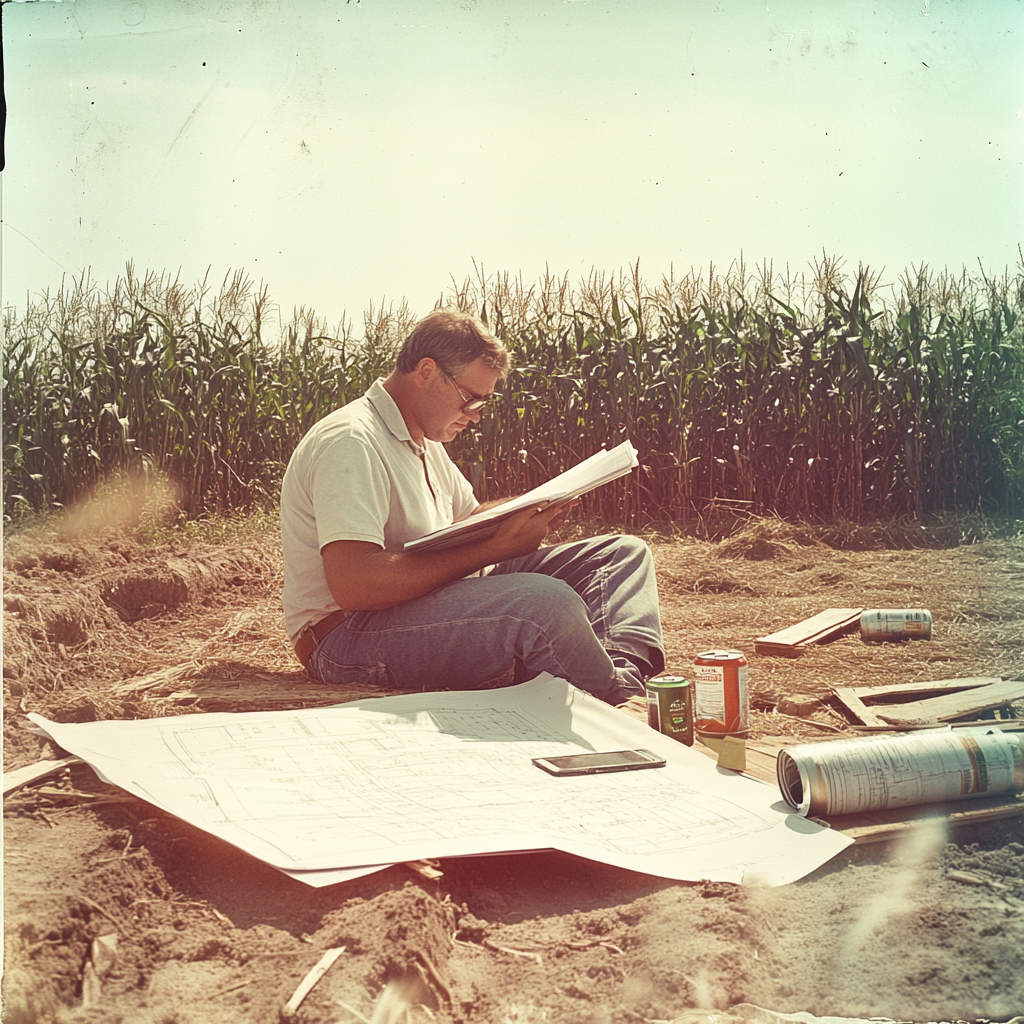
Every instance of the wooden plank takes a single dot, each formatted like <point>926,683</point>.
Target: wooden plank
<point>818,627</point>
<point>777,650</point>
<point>823,622</point>
<point>760,763</point>
<point>275,694</point>
<point>843,625</point>
<point>934,686</point>
<point>857,707</point>
<point>33,772</point>
<point>952,705</point>
<point>883,825</point>
<point>1002,724</point>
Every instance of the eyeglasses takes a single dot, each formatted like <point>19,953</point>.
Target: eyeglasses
<point>474,402</point>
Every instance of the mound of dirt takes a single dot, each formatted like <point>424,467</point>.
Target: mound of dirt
<point>66,607</point>
<point>765,539</point>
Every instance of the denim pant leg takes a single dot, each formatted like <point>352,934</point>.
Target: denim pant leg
<point>468,632</point>
<point>615,577</point>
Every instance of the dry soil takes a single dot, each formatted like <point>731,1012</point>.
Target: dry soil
<point>193,931</point>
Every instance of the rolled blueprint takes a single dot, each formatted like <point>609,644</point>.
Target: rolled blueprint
<point>871,774</point>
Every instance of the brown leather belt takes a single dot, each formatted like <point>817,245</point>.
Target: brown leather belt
<point>312,635</point>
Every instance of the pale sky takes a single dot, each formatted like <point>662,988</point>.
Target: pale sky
<point>347,152</point>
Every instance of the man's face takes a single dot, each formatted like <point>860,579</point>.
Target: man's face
<point>443,416</point>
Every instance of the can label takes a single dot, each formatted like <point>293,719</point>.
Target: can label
<point>670,707</point>
<point>721,697</point>
<point>896,624</point>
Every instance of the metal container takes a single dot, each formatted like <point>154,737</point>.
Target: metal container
<point>721,699</point>
<point>896,624</point>
<point>670,707</point>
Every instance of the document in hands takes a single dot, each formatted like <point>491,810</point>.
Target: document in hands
<point>601,468</point>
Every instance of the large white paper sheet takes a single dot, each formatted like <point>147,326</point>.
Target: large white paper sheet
<point>447,774</point>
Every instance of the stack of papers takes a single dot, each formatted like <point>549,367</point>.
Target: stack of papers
<point>599,469</point>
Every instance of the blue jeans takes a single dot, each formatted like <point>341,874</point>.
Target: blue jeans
<point>585,611</point>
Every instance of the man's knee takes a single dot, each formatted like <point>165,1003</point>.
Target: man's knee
<point>626,549</point>
<point>538,591</point>
<point>548,605</point>
<point>633,546</point>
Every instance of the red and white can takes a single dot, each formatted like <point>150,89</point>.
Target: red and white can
<point>721,699</point>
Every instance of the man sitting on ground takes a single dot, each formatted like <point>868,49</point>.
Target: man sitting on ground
<point>374,474</point>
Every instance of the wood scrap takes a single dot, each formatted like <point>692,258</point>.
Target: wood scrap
<point>810,721</point>
<point>851,699</point>
<point>428,869</point>
<point>433,978</point>
<point>92,986</point>
<point>95,906</point>
<point>1002,724</point>
<point>947,699</point>
<point>968,878</point>
<point>953,705</point>
<point>760,759</point>
<point>267,694</point>
<point>880,826</point>
<point>33,772</point>
<point>928,688</point>
<point>320,968</point>
<point>789,642</point>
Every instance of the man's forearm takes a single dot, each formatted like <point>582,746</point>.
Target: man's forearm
<point>363,577</point>
<point>374,580</point>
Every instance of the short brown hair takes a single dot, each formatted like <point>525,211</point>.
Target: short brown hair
<point>453,339</point>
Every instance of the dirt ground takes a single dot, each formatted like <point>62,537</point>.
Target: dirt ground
<point>117,912</point>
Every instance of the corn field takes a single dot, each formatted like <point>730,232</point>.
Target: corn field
<point>820,397</point>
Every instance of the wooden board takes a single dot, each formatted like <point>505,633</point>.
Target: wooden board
<point>253,694</point>
<point>952,705</point>
<point>789,641</point>
<point>857,707</point>
<point>933,687</point>
<point>882,706</point>
<point>879,826</point>
<point>33,772</point>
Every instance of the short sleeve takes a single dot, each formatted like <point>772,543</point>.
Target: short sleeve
<point>351,492</point>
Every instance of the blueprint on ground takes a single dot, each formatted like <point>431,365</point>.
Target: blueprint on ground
<point>427,775</point>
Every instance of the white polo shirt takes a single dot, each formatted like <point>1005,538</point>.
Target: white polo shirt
<point>359,475</point>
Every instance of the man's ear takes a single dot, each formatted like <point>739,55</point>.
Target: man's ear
<point>425,371</point>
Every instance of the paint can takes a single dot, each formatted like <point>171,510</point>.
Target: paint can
<point>896,624</point>
<point>721,699</point>
<point>670,707</point>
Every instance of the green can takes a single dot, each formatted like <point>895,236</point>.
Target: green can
<point>670,707</point>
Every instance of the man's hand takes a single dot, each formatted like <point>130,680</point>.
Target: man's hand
<point>524,532</point>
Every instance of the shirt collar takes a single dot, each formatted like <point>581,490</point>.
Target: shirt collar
<point>387,409</point>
